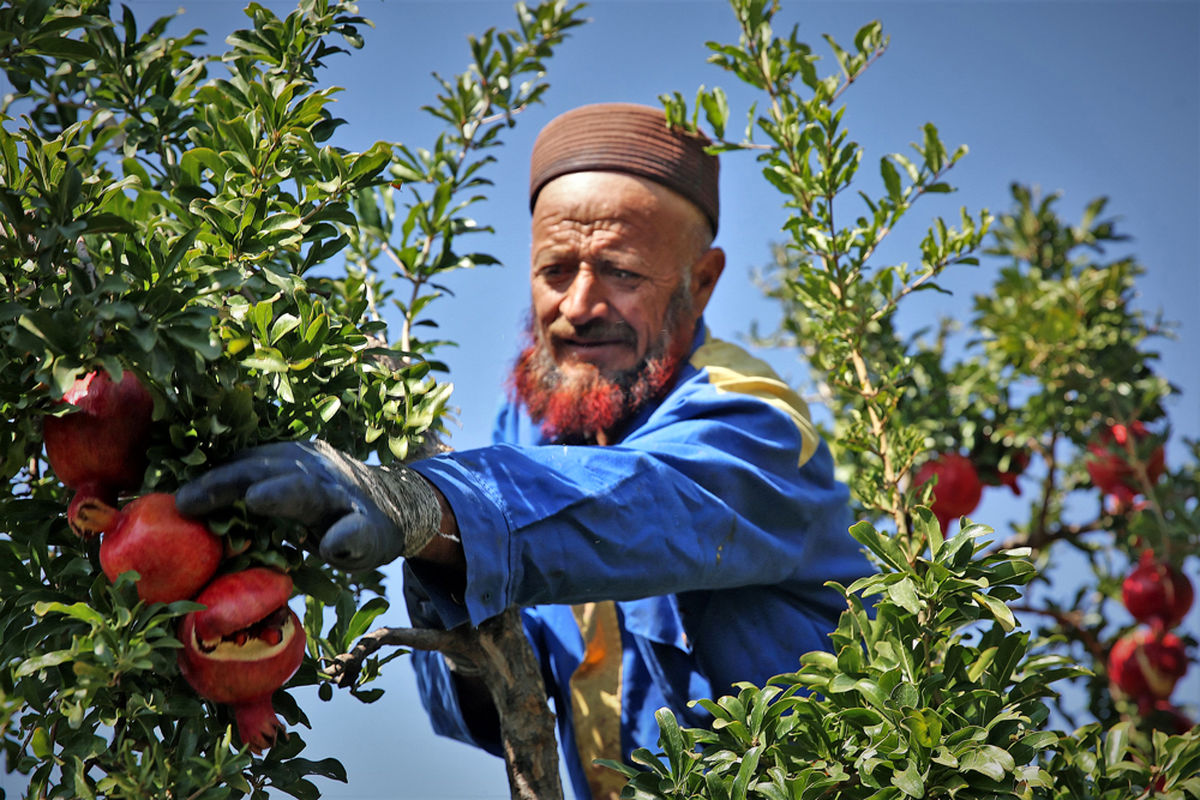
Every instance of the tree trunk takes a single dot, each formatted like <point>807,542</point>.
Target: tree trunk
<point>498,654</point>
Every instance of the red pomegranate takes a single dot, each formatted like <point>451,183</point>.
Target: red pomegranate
<point>1147,664</point>
<point>100,449</point>
<point>173,555</point>
<point>243,647</point>
<point>958,488</point>
<point>1108,466</point>
<point>1157,593</point>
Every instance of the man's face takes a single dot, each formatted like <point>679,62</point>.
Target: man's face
<point>621,272</point>
<point>610,256</point>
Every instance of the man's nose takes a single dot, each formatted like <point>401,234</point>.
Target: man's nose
<point>585,299</point>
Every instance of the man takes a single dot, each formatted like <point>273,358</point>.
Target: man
<point>657,500</point>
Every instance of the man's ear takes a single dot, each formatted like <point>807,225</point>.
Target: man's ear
<point>705,273</point>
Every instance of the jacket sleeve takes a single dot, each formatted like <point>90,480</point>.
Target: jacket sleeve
<point>707,494</point>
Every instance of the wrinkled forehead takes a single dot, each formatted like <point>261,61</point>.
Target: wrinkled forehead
<point>614,200</point>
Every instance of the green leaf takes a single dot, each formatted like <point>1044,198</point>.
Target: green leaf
<point>283,324</point>
<point>925,727</point>
<point>66,49</point>
<point>327,408</point>
<point>41,744</point>
<point>1116,743</point>
<point>904,594</point>
<point>745,772</point>
<point>981,663</point>
<point>891,178</point>
<point>31,666</point>
<point>880,544</point>
<point>80,611</point>
<point>909,780</point>
<point>199,341</point>
<point>279,222</point>
<point>671,738</point>
<point>266,359</point>
<point>999,610</point>
<point>363,618</point>
<point>988,760</point>
<point>300,789</point>
<point>329,768</point>
<point>926,525</point>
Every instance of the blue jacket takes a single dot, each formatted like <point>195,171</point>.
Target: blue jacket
<point>662,568</point>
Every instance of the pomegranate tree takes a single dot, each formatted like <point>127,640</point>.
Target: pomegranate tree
<point>99,449</point>
<point>173,555</point>
<point>958,489</point>
<point>246,644</point>
<point>222,289</point>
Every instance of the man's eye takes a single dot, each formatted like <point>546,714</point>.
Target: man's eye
<point>624,275</point>
<point>552,271</point>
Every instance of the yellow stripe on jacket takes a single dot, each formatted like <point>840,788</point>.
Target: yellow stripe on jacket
<point>596,697</point>
<point>732,369</point>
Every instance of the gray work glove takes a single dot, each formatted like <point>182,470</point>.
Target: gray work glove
<point>365,515</point>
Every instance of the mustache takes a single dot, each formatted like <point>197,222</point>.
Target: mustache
<point>596,330</point>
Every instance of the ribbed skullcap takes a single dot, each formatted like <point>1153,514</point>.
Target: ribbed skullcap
<point>625,137</point>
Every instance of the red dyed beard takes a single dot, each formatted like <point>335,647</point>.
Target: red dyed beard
<point>580,407</point>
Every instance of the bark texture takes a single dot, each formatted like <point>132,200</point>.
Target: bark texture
<point>497,653</point>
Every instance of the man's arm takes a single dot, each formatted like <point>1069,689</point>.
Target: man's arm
<point>709,498</point>
<point>445,549</point>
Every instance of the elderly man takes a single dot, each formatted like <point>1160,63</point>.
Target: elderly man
<point>657,501</point>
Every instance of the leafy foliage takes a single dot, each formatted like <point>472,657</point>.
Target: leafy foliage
<point>184,215</point>
<point>938,689</point>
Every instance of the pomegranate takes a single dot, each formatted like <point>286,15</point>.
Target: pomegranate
<point>958,488</point>
<point>243,647</point>
<point>173,555</point>
<point>100,449</point>
<point>1108,466</point>
<point>1157,593</point>
<point>1147,664</point>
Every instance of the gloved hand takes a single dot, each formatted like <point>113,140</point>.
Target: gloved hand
<point>366,515</point>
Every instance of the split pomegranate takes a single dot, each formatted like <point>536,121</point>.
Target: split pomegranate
<point>958,489</point>
<point>100,449</point>
<point>1109,468</point>
<point>246,644</point>
<point>1147,664</point>
<point>1157,593</point>
<point>173,555</point>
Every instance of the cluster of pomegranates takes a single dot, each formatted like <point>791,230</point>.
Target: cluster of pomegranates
<point>1146,663</point>
<point>960,481</point>
<point>246,643</point>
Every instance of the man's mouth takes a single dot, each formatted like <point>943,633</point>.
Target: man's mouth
<point>600,341</point>
<point>586,343</point>
<point>587,349</point>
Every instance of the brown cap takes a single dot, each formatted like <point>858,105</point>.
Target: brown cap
<point>624,137</point>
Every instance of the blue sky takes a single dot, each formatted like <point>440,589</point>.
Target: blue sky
<point>1086,98</point>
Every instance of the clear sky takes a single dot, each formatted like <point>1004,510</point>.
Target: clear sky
<point>1086,98</point>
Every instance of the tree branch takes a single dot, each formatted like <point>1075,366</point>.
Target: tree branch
<point>497,653</point>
